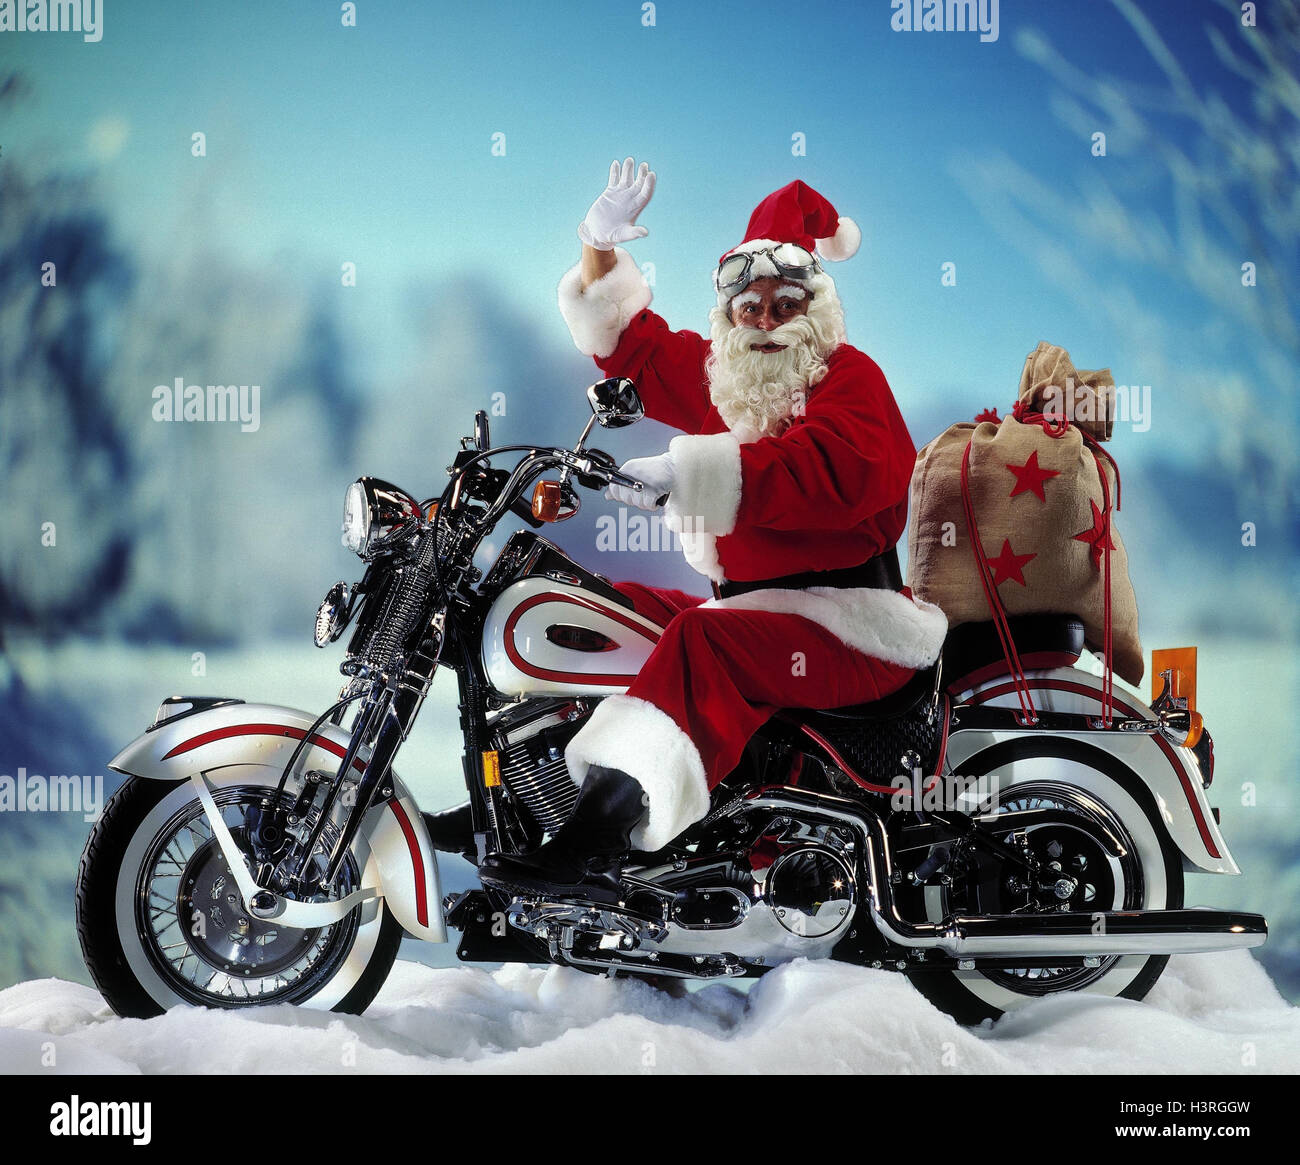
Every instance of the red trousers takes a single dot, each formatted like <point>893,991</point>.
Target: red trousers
<point>719,674</point>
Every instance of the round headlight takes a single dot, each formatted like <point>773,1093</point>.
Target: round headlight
<point>356,519</point>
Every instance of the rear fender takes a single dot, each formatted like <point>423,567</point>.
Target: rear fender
<point>1168,771</point>
<point>252,743</point>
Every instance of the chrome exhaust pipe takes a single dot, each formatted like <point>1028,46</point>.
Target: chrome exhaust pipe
<point>1137,932</point>
<point>1067,935</point>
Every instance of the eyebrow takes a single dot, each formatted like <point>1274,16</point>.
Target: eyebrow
<point>746,297</point>
<point>793,290</point>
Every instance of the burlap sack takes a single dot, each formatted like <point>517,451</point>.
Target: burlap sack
<point>1051,384</point>
<point>1040,532</point>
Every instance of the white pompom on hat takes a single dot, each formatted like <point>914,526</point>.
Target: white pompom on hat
<point>843,244</point>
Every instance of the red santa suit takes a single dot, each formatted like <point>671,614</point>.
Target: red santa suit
<point>830,492</point>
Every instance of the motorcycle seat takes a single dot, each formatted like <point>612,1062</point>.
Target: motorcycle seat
<point>873,737</point>
<point>972,652</point>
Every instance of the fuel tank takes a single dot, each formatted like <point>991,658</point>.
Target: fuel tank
<point>547,637</point>
<point>555,628</point>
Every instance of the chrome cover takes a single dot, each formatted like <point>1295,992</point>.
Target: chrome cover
<point>793,894</point>
<point>332,614</point>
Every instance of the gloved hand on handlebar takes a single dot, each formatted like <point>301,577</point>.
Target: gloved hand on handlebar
<point>612,217</point>
<point>657,474</point>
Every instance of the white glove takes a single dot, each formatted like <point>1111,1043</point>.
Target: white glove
<point>612,216</point>
<point>656,473</point>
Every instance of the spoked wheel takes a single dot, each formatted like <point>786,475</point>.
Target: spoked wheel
<point>162,923</point>
<point>1088,811</point>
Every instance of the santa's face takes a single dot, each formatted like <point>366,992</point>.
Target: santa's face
<point>768,303</point>
<point>770,347</point>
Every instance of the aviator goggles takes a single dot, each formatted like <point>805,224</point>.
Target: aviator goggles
<point>790,260</point>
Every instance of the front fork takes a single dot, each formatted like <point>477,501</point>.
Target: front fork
<point>393,709</point>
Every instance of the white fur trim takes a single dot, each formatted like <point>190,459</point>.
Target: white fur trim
<point>597,316</point>
<point>701,553</point>
<point>705,496</point>
<point>843,244</point>
<point>754,245</point>
<point>633,735</point>
<point>883,624</point>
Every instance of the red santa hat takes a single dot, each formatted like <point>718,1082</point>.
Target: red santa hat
<point>796,214</point>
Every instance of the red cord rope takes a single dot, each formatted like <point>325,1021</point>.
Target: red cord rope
<point>1027,714</point>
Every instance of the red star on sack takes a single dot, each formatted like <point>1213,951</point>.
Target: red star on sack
<point>1008,564</point>
<point>1098,538</point>
<point>1029,478</point>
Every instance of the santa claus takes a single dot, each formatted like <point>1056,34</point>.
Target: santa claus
<point>789,489</point>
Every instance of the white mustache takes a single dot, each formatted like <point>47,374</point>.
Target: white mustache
<point>789,334</point>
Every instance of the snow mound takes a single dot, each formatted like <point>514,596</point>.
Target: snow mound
<point>1208,1014</point>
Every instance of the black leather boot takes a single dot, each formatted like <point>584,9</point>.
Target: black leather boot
<point>583,859</point>
<point>452,830</point>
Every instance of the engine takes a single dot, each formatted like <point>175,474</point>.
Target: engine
<point>531,742</point>
<point>782,886</point>
<point>767,886</point>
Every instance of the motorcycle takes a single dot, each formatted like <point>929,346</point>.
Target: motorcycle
<point>259,854</point>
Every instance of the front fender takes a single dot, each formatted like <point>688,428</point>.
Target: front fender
<point>401,866</point>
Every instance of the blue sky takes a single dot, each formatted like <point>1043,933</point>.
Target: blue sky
<point>373,144</point>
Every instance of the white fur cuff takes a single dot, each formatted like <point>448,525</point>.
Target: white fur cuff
<point>597,316</point>
<point>705,497</point>
<point>701,554</point>
<point>645,742</point>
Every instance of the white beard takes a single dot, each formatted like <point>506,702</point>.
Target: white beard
<point>758,393</point>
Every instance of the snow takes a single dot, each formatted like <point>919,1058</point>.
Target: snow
<point>1217,1014</point>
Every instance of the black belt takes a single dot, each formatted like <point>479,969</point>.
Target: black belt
<point>880,573</point>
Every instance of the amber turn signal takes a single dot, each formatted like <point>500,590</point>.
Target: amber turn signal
<point>546,501</point>
<point>1174,669</point>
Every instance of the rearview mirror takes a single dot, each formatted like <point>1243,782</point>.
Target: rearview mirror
<point>615,402</point>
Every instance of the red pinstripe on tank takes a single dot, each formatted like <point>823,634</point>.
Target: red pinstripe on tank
<point>543,673</point>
